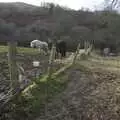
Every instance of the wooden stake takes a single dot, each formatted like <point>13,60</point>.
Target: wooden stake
<point>85,46</point>
<point>12,64</point>
<point>77,52</point>
<point>50,71</point>
<point>51,61</point>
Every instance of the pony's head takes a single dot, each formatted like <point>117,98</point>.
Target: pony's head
<point>32,44</point>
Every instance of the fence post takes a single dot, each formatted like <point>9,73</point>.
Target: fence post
<point>50,71</point>
<point>12,50</point>
<point>51,60</point>
<point>76,53</point>
<point>89,49</point>
<point>85,46</point>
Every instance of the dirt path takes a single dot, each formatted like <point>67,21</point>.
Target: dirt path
<point>88,96</point>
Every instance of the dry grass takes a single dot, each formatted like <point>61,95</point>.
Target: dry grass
<point>4,49</point>
<point>97,62</point>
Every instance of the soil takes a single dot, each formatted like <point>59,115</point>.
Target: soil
<point>90,95</point>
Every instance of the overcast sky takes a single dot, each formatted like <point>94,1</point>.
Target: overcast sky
<point>74,4</point>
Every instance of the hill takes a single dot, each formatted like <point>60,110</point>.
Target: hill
<point>24,22</point>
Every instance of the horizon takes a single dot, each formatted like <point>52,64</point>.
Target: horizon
<point>73,4</point>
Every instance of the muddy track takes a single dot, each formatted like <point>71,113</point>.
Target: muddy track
<point>88,96</point>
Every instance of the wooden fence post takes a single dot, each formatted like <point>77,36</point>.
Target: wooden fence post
<point>12,50</point>
<point>51,60</point>
<point>76,53</point>
<point>85,46</point>
<point>89,49</point>
<point>50,71</point>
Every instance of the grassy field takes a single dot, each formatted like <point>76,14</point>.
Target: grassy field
<point>24,50</point>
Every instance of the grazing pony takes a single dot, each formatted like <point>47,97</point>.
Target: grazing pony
<point>60,48</point>
<point>40,45</point>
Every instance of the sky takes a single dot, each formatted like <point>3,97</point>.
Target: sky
<point>74,4</point>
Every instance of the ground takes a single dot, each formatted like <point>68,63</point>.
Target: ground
<point>89,90</point>
<point>92,93</point>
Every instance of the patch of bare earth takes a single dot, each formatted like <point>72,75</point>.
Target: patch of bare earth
<point>90,95</point>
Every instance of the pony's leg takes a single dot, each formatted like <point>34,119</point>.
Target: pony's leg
<point>46,51</point>
<point>64,53</point>
<point>55,55</point>
<point>39,49</point>
<point>61,55</point>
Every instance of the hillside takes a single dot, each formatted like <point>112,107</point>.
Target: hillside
<point>24,22</point>
<point>19,5</point>
<point>20,13</point>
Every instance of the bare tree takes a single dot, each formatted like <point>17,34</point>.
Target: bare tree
<point>112,4</point>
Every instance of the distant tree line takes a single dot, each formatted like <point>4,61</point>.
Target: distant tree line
<point>23,22</point>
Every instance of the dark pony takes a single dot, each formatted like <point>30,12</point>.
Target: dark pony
<point>60,48</point>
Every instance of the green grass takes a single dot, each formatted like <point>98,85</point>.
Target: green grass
<point>4,49</point>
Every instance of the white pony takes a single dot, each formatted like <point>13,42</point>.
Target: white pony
<point>40,45</point>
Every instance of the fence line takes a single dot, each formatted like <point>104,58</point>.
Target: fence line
<point>14,68</point>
